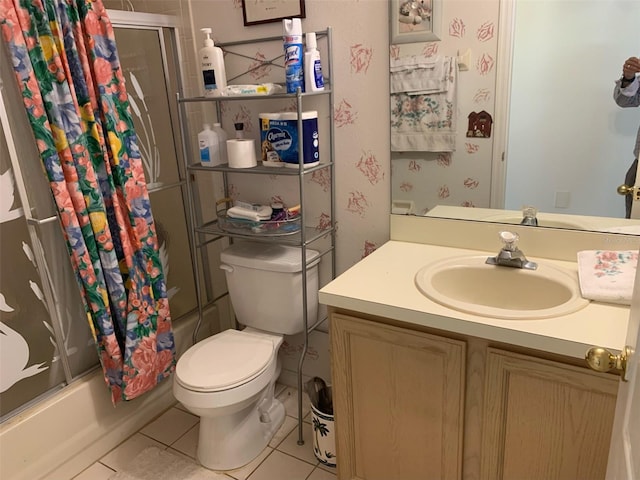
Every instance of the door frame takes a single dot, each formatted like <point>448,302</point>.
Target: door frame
<point>506,25</point>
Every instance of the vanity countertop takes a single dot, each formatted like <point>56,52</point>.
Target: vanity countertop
<point>382,284</point>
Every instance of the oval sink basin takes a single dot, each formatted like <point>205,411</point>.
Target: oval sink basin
<point>469,285</point>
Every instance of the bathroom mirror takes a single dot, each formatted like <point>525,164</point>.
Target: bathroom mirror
<point>566,144</point>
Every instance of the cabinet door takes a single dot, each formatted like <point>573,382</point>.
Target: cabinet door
<point>545,420</point>
<point>399,401</point>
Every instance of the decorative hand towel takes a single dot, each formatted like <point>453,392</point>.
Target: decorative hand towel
<point>416,75</point>
<point>426,123</point>
<point>607,276</point>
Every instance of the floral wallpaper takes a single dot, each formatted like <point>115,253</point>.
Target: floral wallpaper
<point>462,177</point>
<point>364,168</point>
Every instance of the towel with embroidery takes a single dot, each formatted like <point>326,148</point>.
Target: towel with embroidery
<point>426,122</point>
<point>607,276</point>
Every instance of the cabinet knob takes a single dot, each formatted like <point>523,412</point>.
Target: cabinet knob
<point>602,360</point>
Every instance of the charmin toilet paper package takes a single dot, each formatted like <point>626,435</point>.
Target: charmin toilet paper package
<point>280,142</point>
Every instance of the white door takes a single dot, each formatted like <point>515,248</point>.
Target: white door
<point>624,451</point>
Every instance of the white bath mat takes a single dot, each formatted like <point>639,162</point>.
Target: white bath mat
<point>156,464</point>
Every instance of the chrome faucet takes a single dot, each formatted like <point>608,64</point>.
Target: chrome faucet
<point>511,255</point>
<point>529,216</point>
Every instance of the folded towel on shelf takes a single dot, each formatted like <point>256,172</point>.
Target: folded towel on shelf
<point>256,214</point>
<point>607,276</point>
<point>426,122</point>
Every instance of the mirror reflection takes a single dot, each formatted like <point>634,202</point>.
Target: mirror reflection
<point>567,144</point>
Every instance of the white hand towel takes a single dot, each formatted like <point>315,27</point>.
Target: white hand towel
<point>607,276</point>
<point>262,213</point>
<point>416,75</point>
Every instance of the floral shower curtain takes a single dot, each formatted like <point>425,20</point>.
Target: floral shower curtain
<point>67,68</point>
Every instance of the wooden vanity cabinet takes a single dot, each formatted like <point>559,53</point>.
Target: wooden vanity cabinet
<point>545,420</point>
<point>398,400</point>
<point>411,404</point>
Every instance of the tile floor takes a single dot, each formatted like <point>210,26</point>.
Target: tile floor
<point>176,430</point>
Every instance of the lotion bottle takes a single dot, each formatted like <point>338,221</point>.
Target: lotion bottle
<point>214,76</point>
<point>313,81</point>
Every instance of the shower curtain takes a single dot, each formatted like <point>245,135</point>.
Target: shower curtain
<point>67,68</point>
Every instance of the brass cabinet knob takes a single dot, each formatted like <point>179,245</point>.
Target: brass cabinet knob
<point>625,190</point>
<point>602,360</point>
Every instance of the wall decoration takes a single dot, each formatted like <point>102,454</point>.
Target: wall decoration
<point>479,125</point>
<point>415,21</point>
<point>255,12</point>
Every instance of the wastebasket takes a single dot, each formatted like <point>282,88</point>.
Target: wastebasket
<point>324,437</point>
<point>324,433</point>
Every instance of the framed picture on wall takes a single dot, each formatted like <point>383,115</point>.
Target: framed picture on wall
<point>255,12</point>
<point>415,21</point>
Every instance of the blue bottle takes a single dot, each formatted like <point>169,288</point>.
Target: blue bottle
<point>293,54</point>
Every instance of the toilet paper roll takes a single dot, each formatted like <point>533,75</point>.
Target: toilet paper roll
<point>241,153</point>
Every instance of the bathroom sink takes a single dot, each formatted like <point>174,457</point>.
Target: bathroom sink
<point>469,285</point>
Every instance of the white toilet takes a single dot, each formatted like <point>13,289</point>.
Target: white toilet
<point>228,379</point>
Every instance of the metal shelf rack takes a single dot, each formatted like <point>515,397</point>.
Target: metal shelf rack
<point>203,233</point>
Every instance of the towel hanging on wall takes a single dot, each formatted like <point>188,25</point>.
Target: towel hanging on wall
<point>422,121</point>
<point>416,75</point>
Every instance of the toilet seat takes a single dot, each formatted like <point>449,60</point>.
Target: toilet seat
<point>225,361</point>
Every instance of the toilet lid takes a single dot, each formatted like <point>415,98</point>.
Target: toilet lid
<point>224,360</point>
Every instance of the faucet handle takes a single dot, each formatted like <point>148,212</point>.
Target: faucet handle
<point>529,211</point>
<point>509,240</point>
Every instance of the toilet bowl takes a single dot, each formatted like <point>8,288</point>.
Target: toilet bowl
<point>228,379</point>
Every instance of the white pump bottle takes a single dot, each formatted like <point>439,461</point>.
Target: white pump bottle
<point>313,80</point>
<point>214,76</point>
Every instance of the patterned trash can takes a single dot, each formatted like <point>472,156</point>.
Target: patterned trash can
<point>324,437</point>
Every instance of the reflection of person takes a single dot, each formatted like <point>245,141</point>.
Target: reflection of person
<point>627,94</point>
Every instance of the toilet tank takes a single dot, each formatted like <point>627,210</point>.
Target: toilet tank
<point>265,285</point>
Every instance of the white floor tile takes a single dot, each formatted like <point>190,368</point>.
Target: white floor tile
<point>303,452</point>
<point>289,398</point>
<point>320,474</point>
<point>221,475</point>
<point>289,424</point>
<point>283,459</point>
<point>170,426</point>
<point>243,473</point>
<point>188,443</point>
<point>120,456</point>
<point>97,471</point>
<point>280,466</point>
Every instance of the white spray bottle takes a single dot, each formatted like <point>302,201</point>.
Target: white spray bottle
<point>214,76</point>
<point>313,81</point>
